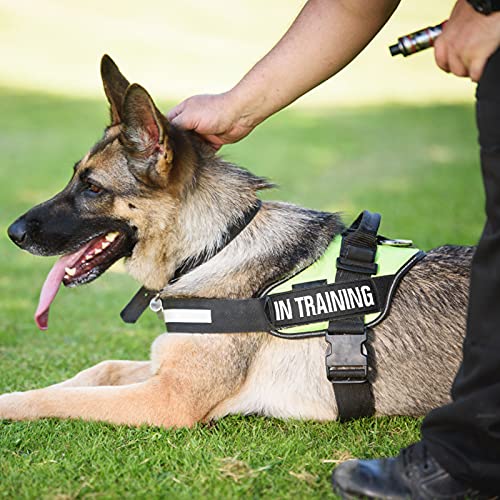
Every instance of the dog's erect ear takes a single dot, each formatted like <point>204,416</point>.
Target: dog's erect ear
<point>115,86</point>
<point>145,135</point>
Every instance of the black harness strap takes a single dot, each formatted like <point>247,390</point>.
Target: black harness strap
<point>137,305</point>
<point>346,357</point>
<point>197,315</point>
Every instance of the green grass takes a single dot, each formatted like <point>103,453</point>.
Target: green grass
<point>416,165</point>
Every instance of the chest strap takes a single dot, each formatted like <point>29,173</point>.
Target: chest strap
<point>347,354</point>
<point>302,306</point>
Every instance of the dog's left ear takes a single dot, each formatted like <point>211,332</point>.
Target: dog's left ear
<point>145,135</point>
<point>115,85</point>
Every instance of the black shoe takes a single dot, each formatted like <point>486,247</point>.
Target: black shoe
<point>413,474</point>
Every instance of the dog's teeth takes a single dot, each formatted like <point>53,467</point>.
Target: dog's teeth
<point>70,271</point>
<point>112,236</point>
<point>105,244</point>
<point>97,250</point>
<point>88,256</point>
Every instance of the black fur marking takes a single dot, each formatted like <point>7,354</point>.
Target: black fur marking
<point>58,227</point>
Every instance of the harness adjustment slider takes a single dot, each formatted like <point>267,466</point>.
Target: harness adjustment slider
<point>356,266</point>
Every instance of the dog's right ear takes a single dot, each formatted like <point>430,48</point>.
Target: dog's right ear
<point>115,86</point>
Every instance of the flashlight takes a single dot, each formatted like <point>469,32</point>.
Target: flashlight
<point>415,42</point>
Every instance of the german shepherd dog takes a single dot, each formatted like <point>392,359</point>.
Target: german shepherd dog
<point>160,196</point>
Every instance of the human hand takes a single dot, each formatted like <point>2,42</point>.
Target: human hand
<point>469,38</point>
<point>218,118</point>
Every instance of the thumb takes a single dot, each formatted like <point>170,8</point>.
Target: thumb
<point>175,111</point>
<point>183,121</point>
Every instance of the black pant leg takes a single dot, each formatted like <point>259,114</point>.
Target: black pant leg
<point>464,436</point>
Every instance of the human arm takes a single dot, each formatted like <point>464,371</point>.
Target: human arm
<point>325,37</point>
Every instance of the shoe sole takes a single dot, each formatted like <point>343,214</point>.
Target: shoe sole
<point>345,495</point>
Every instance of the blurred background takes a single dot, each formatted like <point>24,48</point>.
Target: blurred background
<point>177,48</point>
<point>392,135</point>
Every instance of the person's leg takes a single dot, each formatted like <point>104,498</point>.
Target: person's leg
<point>464,436</point>
<point>460,448</point>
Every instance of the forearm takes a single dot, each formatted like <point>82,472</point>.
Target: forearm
<point>325,37</point>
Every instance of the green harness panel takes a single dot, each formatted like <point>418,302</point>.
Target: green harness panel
<point>390,259</point>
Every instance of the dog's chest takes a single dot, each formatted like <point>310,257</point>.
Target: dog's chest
<point>286,380</point>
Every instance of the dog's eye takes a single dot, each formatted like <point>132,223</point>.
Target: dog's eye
<point>93,188</point>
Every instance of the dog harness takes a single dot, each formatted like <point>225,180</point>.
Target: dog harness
<point>339,297</point>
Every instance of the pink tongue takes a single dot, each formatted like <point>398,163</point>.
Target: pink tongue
<point>51,286</point>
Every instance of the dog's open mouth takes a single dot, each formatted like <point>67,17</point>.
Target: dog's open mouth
<point>96,257</point>
<point>82,266</point>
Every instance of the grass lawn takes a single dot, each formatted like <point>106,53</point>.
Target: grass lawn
<point>416,165</point>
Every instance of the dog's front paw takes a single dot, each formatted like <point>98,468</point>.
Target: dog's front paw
<point>13,406</point>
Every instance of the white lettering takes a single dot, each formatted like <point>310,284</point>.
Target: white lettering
<point>337,301</point>
<point>277,311</point>
<point>309,305</point>
<point>320,303</point>
<point>355,297</point>
<point>367,296</point>
<point>347,300</point>
<point>329,301</point>
<point>325,302</point>
<point>299,300</point>
<point>285,309</point>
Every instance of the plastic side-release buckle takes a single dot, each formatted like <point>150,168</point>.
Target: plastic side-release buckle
<point>346,358</point>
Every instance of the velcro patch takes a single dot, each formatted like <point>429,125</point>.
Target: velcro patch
<point>324,302</point>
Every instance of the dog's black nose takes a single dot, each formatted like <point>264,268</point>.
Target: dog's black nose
<point>17,231</point>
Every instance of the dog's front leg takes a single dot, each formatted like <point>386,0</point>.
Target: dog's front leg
<point>111,372</point>
<point>191,376</point>
<point>152,402</point>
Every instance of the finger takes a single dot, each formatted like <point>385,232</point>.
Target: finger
<point>176,110</point>
<point>456,65</point>
<point>476,69</point>
<point>214,141</point>
<point>441,55</point>
<point>182,120</point>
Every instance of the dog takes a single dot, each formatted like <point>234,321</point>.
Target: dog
<point>160,197</point>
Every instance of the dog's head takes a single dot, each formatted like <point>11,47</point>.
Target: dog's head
<point>110,205</point>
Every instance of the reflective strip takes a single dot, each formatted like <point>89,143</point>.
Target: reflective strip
<point>187,315</point>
